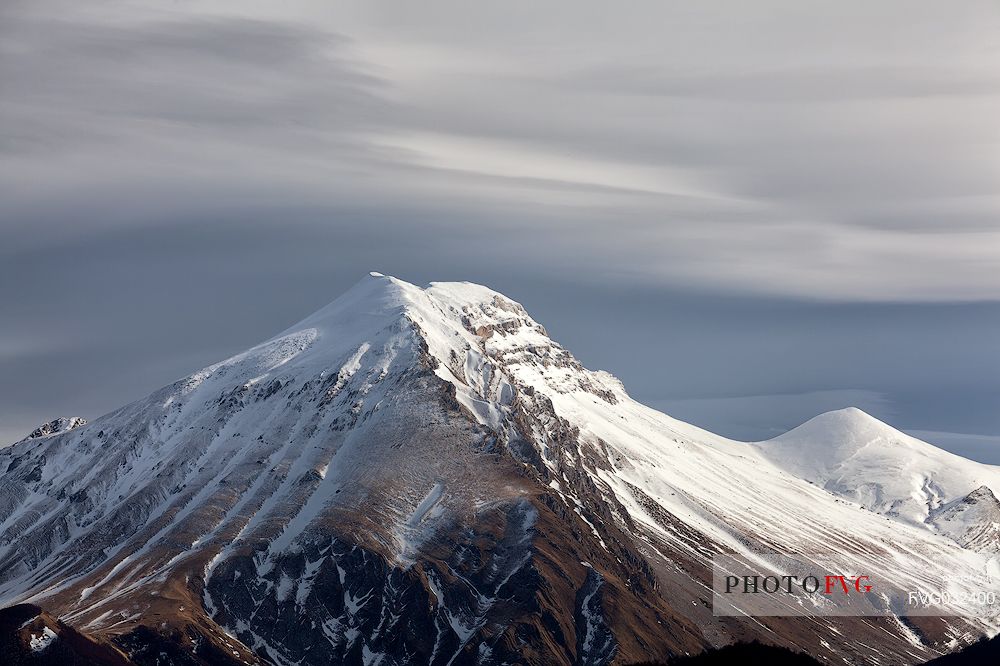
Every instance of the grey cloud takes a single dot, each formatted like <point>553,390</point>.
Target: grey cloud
<point>109,83</point>
<point>299,110</point>
<point>734,191</point>
<point>779,86</point>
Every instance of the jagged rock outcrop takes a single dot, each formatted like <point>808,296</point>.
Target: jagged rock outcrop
<point>57,426</point>
<point>973,521</point>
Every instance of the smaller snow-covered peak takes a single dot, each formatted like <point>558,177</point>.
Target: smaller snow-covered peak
<point>821,445</point>
<point>853,454</point>
<point>850,424</point>
<point>57,426</point>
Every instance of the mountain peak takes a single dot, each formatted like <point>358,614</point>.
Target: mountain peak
<point>379,299</point>
<point>819,449</point>
<point>981,494</point>
<point>841,432</point>
<point>386,321</point>
<point>849,421</point>
<point>855,455</point>
<point>374,294</point>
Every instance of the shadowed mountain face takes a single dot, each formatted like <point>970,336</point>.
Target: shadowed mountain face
<point>423,476</point>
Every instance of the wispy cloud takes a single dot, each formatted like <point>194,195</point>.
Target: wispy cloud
<point>830,154</point>
<point>158,157</point>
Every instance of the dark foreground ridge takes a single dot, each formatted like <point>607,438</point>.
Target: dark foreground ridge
<point>29,635</point>
<point>983,653</point>
<point>23,627</point>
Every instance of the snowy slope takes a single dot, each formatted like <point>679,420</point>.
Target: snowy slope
<point>422,474</point>
<point>856,456</point>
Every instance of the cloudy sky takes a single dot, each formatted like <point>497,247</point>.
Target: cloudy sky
<point>750,212</point>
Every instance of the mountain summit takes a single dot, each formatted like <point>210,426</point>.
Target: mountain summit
<point>421,475</point>
<point>856,456</point>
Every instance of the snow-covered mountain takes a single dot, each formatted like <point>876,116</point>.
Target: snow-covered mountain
<point>423,476</point>
<point>854,455</point>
